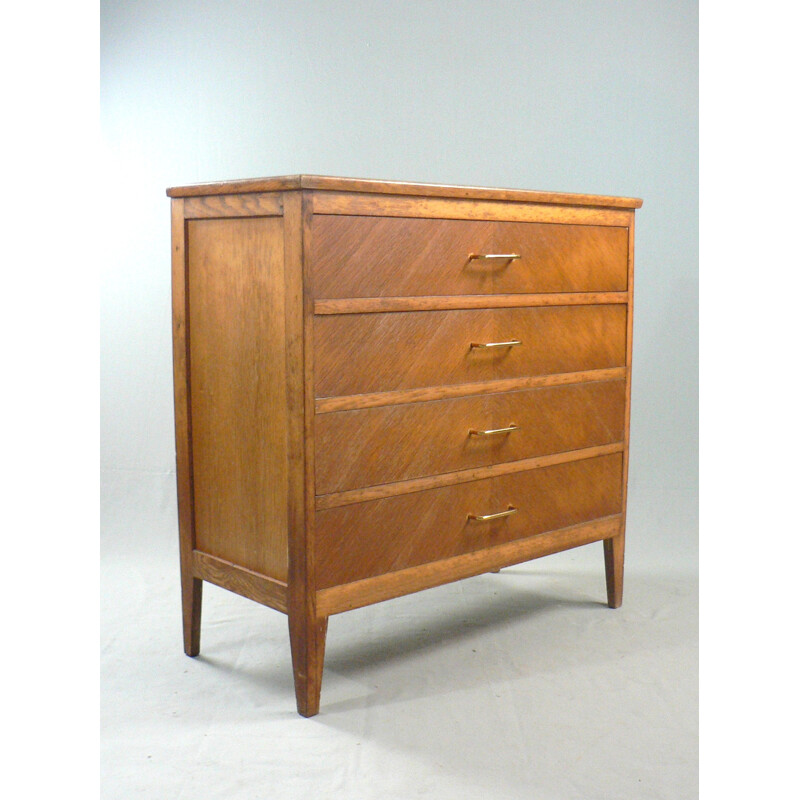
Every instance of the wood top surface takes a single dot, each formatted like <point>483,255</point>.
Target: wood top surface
<point>332,184</point>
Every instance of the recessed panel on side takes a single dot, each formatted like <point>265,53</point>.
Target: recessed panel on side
<point>237,384</point>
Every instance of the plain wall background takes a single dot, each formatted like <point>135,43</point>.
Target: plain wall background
<point>594,97</point>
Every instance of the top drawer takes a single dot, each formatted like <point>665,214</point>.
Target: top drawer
<point>355,256</point>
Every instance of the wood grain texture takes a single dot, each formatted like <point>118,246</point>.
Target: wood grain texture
<point>357,354</point>
<point>330,183</point>
<point>238,405</point>
<point>325,390</point>
<point>261,588</point>
<point>307,639</point>
<point>299,363</point>
<point>191,586</point>
<point>337,499</point>
<point>307,630</point>
<point>371,305</point>
<point>614,555</point>
<point>380,445</point>
<point>356,256</point>
<point>236,205</point>
<point>371,538</point>
<point>341,203</point>
<point>327,405</point>
<point>413,579</point>
<point>614,549</point>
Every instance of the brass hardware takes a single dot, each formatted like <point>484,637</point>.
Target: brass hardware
<point>487,256</point>
<point>487,517</point>
<point>512,427</point>
<point>486,345</point>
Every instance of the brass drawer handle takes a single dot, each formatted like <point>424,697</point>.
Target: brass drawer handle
<point>487,256</point>
<point>486,345</point>
<point>487,517</point>
<point>510,429</point>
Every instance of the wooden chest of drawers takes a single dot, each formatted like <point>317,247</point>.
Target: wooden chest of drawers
<point>382,387</point>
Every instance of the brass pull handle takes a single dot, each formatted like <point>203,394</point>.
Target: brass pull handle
<point>509,429</point>
<point>488,256</point>
<point>487,517</point>
<point>487,345</point>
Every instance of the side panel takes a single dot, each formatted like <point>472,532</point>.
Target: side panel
<point>237,369</point>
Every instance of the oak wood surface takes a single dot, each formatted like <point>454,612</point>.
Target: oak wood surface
<point>370,538</point>
<point>350,496</point>
<point>327,405</point>
<point>191,586</point>
<point>357,354</point>
<point>330,183</point>
<point>238,406</point>
<point>413,579</point>
<point>325,388</point>
<point>299,358</point>
<point>307,630</point>
<point>371,305</point>
<point>355,256</point>
<point>614,555</point>
<point>237,205</point>
<point>349,203</point>
<point>261,588</point>
<point>307,640</point>
<point>614,549</point>
<point>392,443</point>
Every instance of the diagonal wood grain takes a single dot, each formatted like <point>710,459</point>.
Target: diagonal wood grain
<point>358,354</point>
<point>354,256</point>
<point>412,579</point>
<point>370,538</point>
<point>372,446</point>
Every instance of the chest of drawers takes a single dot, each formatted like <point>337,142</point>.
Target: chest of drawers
<point>381,387</point>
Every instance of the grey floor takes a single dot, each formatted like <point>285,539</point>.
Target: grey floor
<point>521,684</point>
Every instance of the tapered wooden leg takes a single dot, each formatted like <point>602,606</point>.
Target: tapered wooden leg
<point>192,597</point>
<point>614,551</point>
<point>307,638</point>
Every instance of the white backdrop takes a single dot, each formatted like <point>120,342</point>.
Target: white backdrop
<point>595,97</point>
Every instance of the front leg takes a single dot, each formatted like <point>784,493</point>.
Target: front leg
<point>614,551</point>
<point>307,637</point>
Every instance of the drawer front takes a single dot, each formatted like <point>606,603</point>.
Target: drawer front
<point>391,256</point>
<point>360,353</point>
<point>367,539</point>
<point>371,446</point>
